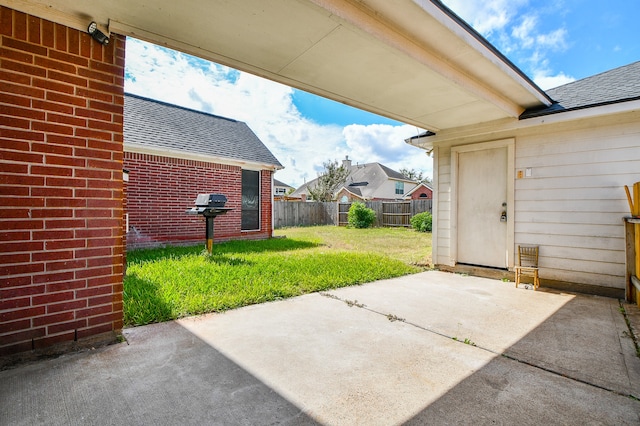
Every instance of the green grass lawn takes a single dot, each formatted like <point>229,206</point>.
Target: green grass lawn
<point>401,244</point>
<point>173,282</point>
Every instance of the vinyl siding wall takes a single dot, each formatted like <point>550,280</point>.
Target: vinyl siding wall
<point>442,253</point>
<point>573,203</point>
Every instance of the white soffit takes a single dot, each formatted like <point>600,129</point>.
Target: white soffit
<point>407,60</point>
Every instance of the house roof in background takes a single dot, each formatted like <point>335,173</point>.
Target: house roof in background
<point>363,180</point>
<point>162,126</point>
<point>614,86</point>
<point>374,174</point>
<point>276,182</point>
<point>415,188</point>
<point>353,190</point>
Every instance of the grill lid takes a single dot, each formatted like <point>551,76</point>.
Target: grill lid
<point>210,200</point>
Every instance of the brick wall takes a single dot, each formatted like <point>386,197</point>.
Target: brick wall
<point>161,189</point>
<point>422,193</point>
<point>266,203</point>
<point>61,103</point>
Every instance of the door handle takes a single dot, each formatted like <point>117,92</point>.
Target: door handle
<point>503,215</point>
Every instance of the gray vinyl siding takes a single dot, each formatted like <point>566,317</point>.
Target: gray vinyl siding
<point>443,236</point>
<point>573,204</point>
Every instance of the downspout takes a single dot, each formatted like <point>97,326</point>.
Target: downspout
<point>435,214</point>
<point>273,210</point>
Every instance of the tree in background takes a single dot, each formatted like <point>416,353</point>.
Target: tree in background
<point>416,175</point>
<point>329,181</point>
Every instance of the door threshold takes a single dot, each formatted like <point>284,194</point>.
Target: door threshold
<point>471,265</point>
<point>479,271</point>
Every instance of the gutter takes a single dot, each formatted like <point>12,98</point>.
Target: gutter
<point>163,152</point>
<point>427,140</point>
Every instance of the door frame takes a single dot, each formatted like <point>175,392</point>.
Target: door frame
<point>455,152</point>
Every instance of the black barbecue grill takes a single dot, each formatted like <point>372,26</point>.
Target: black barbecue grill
<point>209,206</point>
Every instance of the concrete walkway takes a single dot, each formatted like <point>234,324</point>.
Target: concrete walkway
<point>432,348</point>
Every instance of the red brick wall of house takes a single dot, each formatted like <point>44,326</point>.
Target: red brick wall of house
<point>417,194</point>
<point>61,103</point>
<point>161,189</point>
<point>351,197</point>
<point>266,206</point>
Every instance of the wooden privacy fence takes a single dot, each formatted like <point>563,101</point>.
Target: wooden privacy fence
<point>396,214</point>
<point>286,213</point>
<point>388,213</point>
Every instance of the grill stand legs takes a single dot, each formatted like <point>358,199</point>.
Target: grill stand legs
<point>209,233</point>
<point>209,214</point>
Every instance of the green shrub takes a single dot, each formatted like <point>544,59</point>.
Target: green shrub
<point>422,222</point>
<point>360,216</point>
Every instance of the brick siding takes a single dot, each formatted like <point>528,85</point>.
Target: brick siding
<point>61,103</point>
<point>161,189</point>
<point>428,194</point>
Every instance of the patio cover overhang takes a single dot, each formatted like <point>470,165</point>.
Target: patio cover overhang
<point>412,61</point>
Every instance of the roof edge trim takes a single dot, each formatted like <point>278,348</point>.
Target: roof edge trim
<point>533,113</point>
<point>510,126</point>
<point>162,152</point>
<point>541,94</point>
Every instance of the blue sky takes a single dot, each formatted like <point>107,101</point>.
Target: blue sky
<point>553,42</point>
<point>558,41</point>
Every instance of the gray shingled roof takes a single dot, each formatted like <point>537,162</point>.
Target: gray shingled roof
<point>614,86</point>
<point>353,190</point>
<point>160,125</point>
<point>277,182</point>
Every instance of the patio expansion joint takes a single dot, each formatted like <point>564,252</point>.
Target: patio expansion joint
<point>631,331</point>
<point>393,317</point>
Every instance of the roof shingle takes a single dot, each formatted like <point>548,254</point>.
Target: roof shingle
<point>160,125</point>
<point>617,85</point>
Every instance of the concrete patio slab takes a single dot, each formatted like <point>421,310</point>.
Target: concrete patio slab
<point>580,336</point>
<point>381,353</point>
<point>164,376</point>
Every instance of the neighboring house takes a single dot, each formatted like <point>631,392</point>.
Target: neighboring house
<point>421,191</point>
<point>366,182</point>
<point>172,154</point>
<point>557,173</point>
<point>280,190</point>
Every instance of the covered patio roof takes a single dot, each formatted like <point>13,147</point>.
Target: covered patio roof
<point>412,61</point>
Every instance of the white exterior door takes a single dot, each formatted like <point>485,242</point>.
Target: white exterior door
<point>482,207</point>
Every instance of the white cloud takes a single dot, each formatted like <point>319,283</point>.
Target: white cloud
<point>486,17</point>
<point>515,29</point>
<point>299,143</point>
<point>385,144</point>
<point>525,31</point>
<point>546,81</point>
<point>555,40</point>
